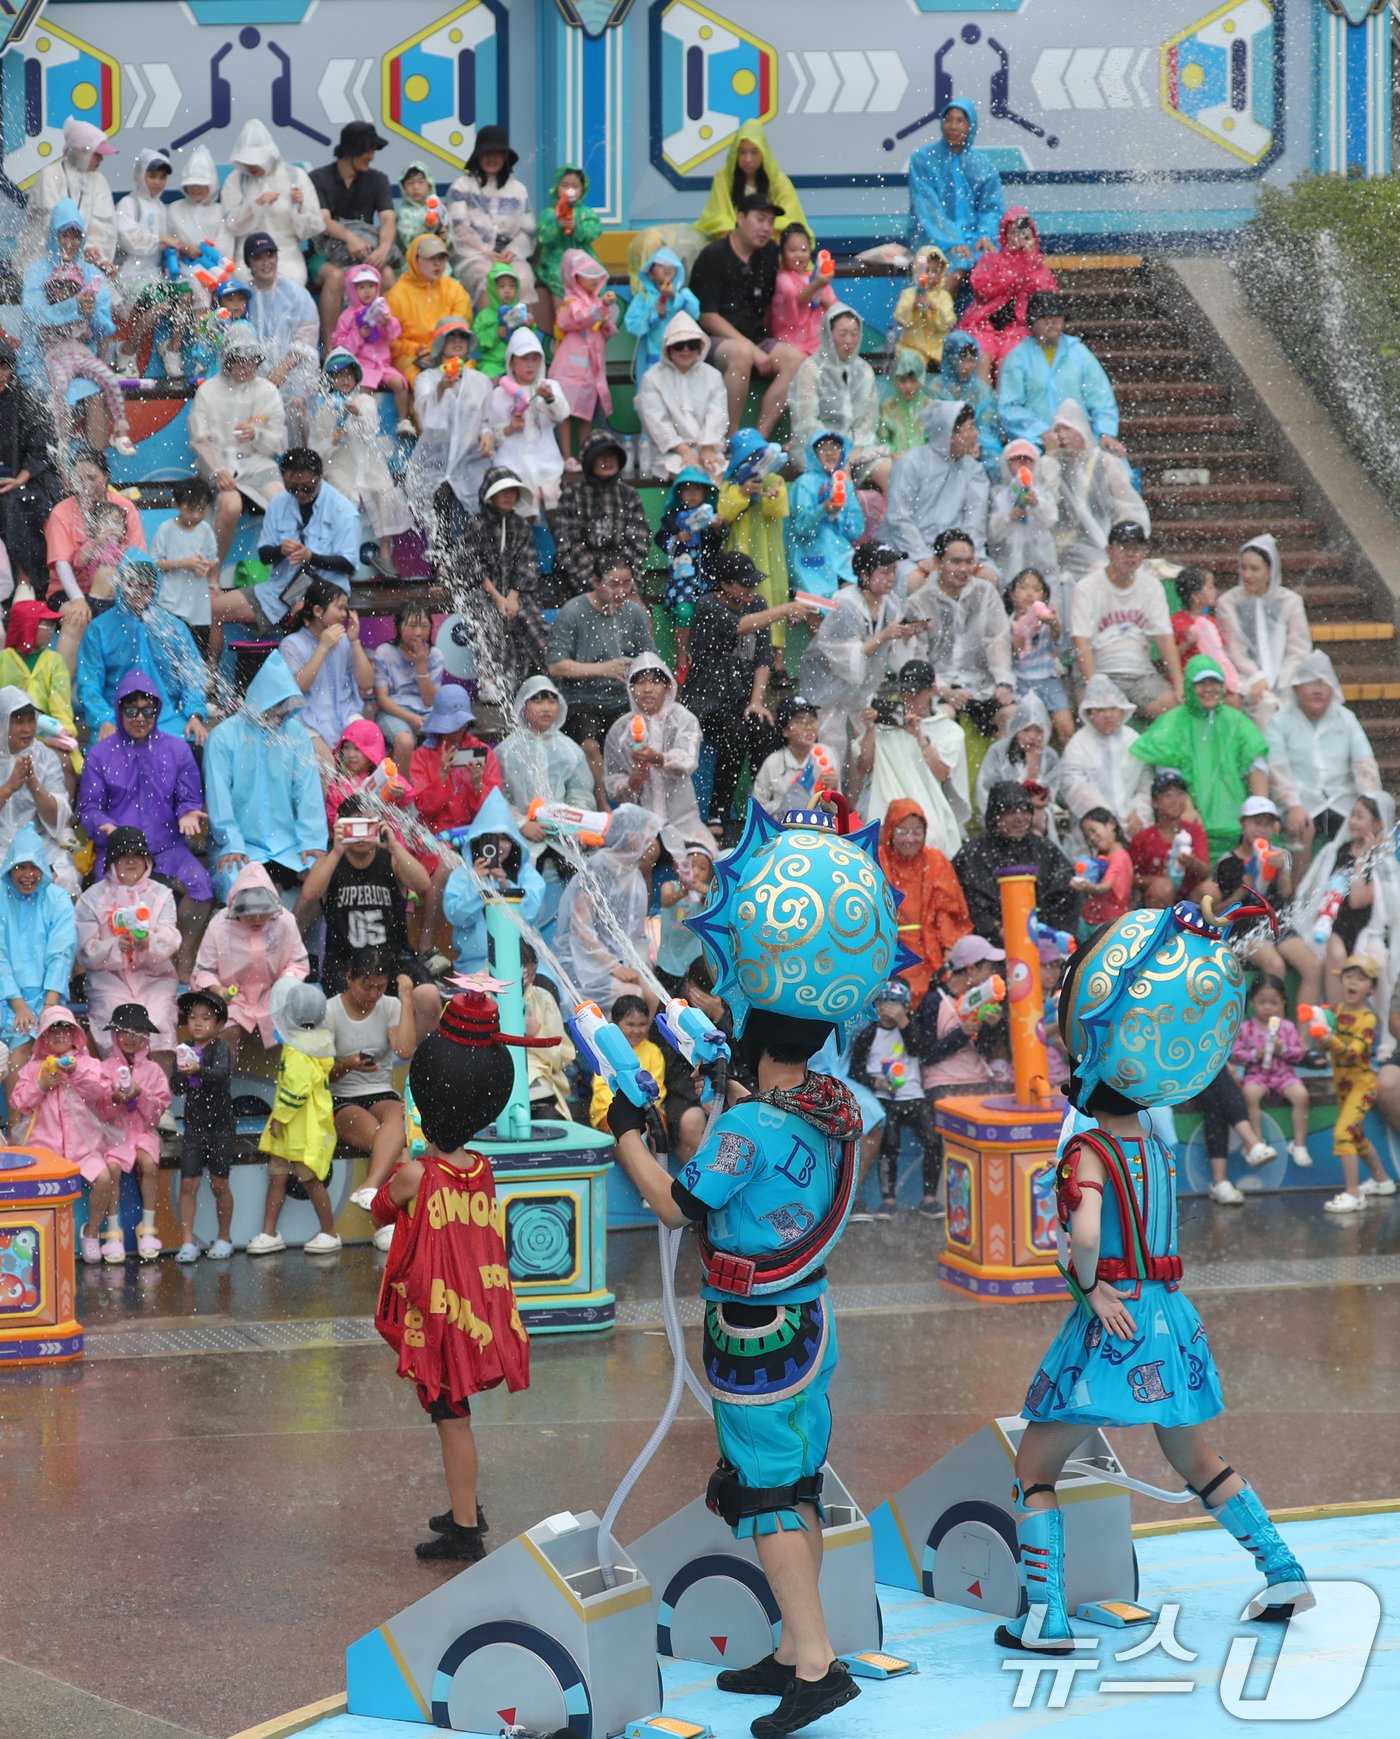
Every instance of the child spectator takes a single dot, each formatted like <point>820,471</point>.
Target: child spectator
<point>632,1015</point>
<point>1003,280</point>
<point>59,1099</point>
<point>1164,873</point>
<point>455,442</point>
<point>264,194</point>
<point>185,554</point>
<point>825,520</point>
<point>954,1045</point>
<point>661,295</point>
<point>1356,879</point>
<point>452,772</point>
<point>238,426</point>
<point>676,945</point>
<point>682,405</point>
<point>205,1069</point>
<point>367,328</point>
<point>749,169</point>
<point>1023,754</point>
<point>359,755</point>
<point>598,512</point>
<point>835,389</point>
<point>421,298</point>
<point>933,911</point>
<point>32,789</point>
<point>901,427</point>
<point>415,214</point>
<point>139,1098</point>
<point>888,1056</point>
<point>38,941</point>
<point>29,663</point>
<point>923,315</point>
<point>650,755</point>
<point>127,941</point>
<point>1222,1108</point>
<point>1193,623</point>
<point>801,294</point>
<point>538,761</point>
<point>524,414</point>
<point>789,776</point>
<point>491,566</point>
<point>545,1067</point>
<point>567,221</point>
<point>1097,768</point>
<point>299,1136</point>
<point>329,665</point>
<point>499,317</point>
<point>156,292</point>
<point>197,217</point>
<point>494,859</point>
<point>408,672</point>
<point>137,634</point>
<point>1107,894</point>
<point>248,946</point>
<point>1022,513</point>
<point>345,432</point>
<point>1036,632</point>
<point>488,209</point>
<point>1269,1049</point>
<point>960,381</point>
<point>373,1033</point>
<point>691,542</point>
<point>586,319</point>
<point>1265,629</point>
<point>1351,1044</point>
<point>602,917</point>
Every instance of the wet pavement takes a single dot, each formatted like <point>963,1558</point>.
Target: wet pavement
<point>203,1515</point>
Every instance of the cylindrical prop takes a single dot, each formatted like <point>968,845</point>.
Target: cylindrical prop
<point>514,1122</point>
<point>1025,995</point>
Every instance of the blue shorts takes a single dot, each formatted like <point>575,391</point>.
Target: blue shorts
<point>1050,690</point>
<point>769,1385</point>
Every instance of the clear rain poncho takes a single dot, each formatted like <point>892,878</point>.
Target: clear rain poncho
<point>602,918</point>
<point>1094,490</point>
<point>1265,635</point>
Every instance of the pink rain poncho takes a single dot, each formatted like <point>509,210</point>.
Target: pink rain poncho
<point>146,976</point>
<point>232,953</point>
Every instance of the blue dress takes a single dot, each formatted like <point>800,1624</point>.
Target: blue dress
<point>1165,1375</point>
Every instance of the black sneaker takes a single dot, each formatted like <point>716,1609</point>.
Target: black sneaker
<point>766,1678</point>
<point>462,1546</point>
<point>807,1700</point>
<point>445,1523</point>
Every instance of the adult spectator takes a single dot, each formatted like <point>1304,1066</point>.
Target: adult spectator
<point>592,642</point>
<point>77,175</point>
<point>1265,629</point>
<point>656,770</point>
<point>597,512</point>
<point>281,312</point>
<point>90,531</point>
<point>137,633</point>
<point>31,786</point>
<point>968,633</point>
<point>425,296</point>
<point>1046,369</point>
<point>29,484</point>
<point>1118,615</point>
<point>682,405</point>
<point>265,194</point>
<point>143,777</point>
<point>731,660</point>
<point>310,522</point>
<point>1320,758</point>
<point>1008,841</point>
<point>261,785</point>
<point>914,747</point>
<point>938,486</point>
<point>749,168</point>
<point>1098,769</point>
<point>733,279</point>
<point>488,208</point>
<point>836,389</point>
<point>237,429</point>
<point>332,669</point>
<point>1094,489</point>
<point>1219,751</point>
<point>933,913</point>
<point>1362,858</point>
<point>955,198</point>
<point>358,219</point>
<point>1003,282</point>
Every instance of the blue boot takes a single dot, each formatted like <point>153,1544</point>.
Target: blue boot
<point>1042,1536</point>
<point>1287,1588</point>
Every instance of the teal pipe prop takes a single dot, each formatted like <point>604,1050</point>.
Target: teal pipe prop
<point>513,1124</point>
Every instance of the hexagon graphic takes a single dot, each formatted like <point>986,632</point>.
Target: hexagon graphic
<point>48,76</point>
<point>450,79</point>
<point>714,77</point>
<point>1218,77</point>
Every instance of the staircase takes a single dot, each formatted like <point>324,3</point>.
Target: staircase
<point>1175,417</point>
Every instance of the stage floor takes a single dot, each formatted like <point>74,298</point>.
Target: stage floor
<point>204,1514</point>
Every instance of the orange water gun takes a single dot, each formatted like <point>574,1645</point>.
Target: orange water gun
<point>840,490</point>
<point>826,266</point>
<point>452,367</point>
<point>638,728</point>
<point>432,212</point>
<point>564,209</point>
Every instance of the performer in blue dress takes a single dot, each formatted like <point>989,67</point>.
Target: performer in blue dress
<point>1148,1012</point>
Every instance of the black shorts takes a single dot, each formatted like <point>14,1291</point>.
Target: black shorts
<point>585,722</point>
<point>204,1150</point>
<point>361,1099</point>
<point>442,1409</point>
<point>201,632</point>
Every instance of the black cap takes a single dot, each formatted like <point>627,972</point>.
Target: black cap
<point>757,202</point>
<point>357,137</point>
<point>1044,305</point>
<point>1167,780</point>
<point>917,674</point>
<point>130,1017</point>
<point>127,842</point>
<point>790,708</point>
<point>1126,531</point>
<point>867,557</point>
<point>735,567</point>
<point>260,242</point>
<point>211,1000</point>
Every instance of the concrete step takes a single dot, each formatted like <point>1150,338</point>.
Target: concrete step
<point>1382,725</point>
<point>1291,533</point>
<point>1143,361</point>
<point>1327,602</point>
<point>1188,498</point>
<point>1091,297</point>
<point>1176,395</point>
<point>1114,332</point>
<point>1351,633</point>
<point>1157,426</point>
<point>1225,464</point>
<point>1224,563</point>
<point>1109,282</point>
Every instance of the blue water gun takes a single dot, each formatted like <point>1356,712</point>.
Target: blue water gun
<point>170,262</point>
<point>697,1040</point>
<point>608,1054</point>
<point>513,317</point>
<point>1039,932</point>
<point>1091,869</point>
<point>693,521</point>
<point>759,463</point>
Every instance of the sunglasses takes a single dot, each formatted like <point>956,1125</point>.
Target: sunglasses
<point>687,344</point>
<point>138,712</point>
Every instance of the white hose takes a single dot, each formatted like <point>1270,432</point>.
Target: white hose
<point>1092,1470</point>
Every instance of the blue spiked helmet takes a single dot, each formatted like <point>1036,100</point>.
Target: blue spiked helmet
<point>801,920</point>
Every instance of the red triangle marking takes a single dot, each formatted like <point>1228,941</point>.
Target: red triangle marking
<point>976,1589</point>
<point>508,1716</point>
<point>720,1642</point>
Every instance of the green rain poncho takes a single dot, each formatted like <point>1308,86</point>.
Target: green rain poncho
<point>554,239</point>
<point>717,218</point>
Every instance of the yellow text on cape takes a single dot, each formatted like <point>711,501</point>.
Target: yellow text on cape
<point>466,1208</point>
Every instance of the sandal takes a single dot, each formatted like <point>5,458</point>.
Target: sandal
<point>114,1247</point>
<point>148,1245</point>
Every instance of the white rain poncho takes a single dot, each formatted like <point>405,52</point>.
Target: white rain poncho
<point>22,808</point>
<point>669,789</point>
<point>827,393</point>
<point>532,452</point>
<point>290,225</point>
<point>999,763</point>
<point>141,222</point>
<point>602,920</point>
<point>1014,540</point>
<point>678,407</point>
<point>931,493</point>
<point>968,637</point>
<point>1094,490</point>
<point>1322,765</point>
<point>206,221</point>
<point>1264,635</point>
<point>1101,772</point>
<point>222,405</point>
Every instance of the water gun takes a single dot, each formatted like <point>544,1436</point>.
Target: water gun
<point>609,1055</point>
<point>1181,844</point>
<point>926,276</point>
<point>695,519</point>
<point>810,601</point>
<point>895,1070</point>
<point>1091,869</point>
<point>1023,487</point>
<point>126,1086</point>
<point>211,268</point>
<point>638,728</point>
<point>452,367</point>
<point>589,826</point>
<point>979,1002</point>
<point>1321,1019</point>
<point>432,212</point>
<point>170,262</point>
<point>519,396</point>
<point>509,319</point>
<point>1259,871</point>
<point>1042,933</point>
<point>187,1057</point>
<point>130,924</point>
<point>564,209</point>
<point>817,769</point>
<point>1027,625</point>
<point>1332,899</point>
<point>52,1067</point>
<point>838,490</point>
<point>758,464</point>
<point>690,1034</point>
<point>1270,1040</point>
<point>369,318</point>
<point>694,522</point>
<point>825,266</point>
<point>51,731</point>
<point>387,782</point>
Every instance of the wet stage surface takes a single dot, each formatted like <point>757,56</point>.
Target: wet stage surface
<point>202,1516</point>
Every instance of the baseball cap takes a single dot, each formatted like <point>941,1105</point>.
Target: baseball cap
<point>361,273</point>
<point>1126,530</point>
<point>260,242</point>
<point>735,567</point>
<point>1362,963</point>
<point>968,950</point>
<point>1257,806</point>
<point>918,674</point>
<point>789,709</point>
<point>867,557</point>
<point>757,202</point>
<point>1167,780</point>
<point>894,990</point>
<point>430,246</point>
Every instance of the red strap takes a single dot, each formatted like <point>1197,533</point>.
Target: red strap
<point>1158,1268</point>
<point>778,1267</point>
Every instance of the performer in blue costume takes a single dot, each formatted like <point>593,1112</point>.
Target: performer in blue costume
<point>802,930</point>
<point>1148,1012</point>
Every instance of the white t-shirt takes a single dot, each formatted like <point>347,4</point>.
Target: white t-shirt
<point>1120,623</point>
<point>887,1046</point>
<point>370,1034</point>
<point>183,592</point>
